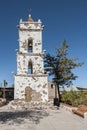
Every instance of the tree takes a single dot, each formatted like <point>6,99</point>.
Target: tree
<point>61,66</point>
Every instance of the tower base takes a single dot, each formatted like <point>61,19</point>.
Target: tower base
<point>31,87</point>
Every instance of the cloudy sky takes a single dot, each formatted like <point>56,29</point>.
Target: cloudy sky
<point>63,19</point>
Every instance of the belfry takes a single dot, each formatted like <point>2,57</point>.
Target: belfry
<point>31,83</point>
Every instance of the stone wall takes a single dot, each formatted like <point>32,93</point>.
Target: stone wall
<point>35,34</point>
<point>30,34</point>
<point>23,60</point>
<point>51,90</point>
<point>39,85</point>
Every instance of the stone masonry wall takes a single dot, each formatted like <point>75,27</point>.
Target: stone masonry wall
<point>25,35</point>
<point>51,90</point>
<point>30,32</point>
<point>37,83</point>
<point>22,64</point>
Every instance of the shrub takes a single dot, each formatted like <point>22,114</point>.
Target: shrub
<point>74,98</point>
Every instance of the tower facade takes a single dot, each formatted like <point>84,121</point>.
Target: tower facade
<point>31,83</point>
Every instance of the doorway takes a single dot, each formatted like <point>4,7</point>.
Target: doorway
<point>27,94</point>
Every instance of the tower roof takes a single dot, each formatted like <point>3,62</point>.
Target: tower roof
<point>30,19</point>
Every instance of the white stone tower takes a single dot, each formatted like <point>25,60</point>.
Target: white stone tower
<point>31,83</point>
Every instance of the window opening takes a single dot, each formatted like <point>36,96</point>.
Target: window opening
<point>30,48</point>
<point>52,86</point>
<point>30,68</point>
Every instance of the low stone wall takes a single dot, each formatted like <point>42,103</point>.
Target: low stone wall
<point>2,102</point>
<point>67,107</point>
<point>21,105</point>
<point>76,110</point>
<point>81,111</point>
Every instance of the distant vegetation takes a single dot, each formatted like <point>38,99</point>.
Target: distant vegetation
<point>74,98</point>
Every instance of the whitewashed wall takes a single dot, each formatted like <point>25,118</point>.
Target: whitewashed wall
<point>38,81</point>
<point>39,84</point>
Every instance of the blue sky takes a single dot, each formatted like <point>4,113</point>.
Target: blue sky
<point>62,19</point>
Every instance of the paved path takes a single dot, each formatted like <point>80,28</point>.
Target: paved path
<point>62,120</point>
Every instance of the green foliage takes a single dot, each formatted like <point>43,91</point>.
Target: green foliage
<point>61,66</point>
<point>74,98</point>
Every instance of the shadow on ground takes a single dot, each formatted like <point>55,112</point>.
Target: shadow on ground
<point>20,116</point>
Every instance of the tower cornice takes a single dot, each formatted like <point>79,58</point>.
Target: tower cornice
<point>30,54</point>
<point>24,29</point>
<point>32,75</point>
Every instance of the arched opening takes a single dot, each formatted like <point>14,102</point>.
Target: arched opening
<point>30,45</point>
<point>30,68</point>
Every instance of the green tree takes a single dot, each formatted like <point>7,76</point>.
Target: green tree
<point>61,66</point>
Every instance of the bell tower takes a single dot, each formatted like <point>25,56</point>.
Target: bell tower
<point>31,83</point>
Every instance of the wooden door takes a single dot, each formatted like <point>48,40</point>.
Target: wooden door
<point>27,94</point>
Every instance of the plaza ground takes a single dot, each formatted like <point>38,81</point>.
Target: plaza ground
<point>41,119</point>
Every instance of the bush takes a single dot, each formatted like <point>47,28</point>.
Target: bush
<point>74,98</point>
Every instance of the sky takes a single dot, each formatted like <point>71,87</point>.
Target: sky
<point>63,19</point>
